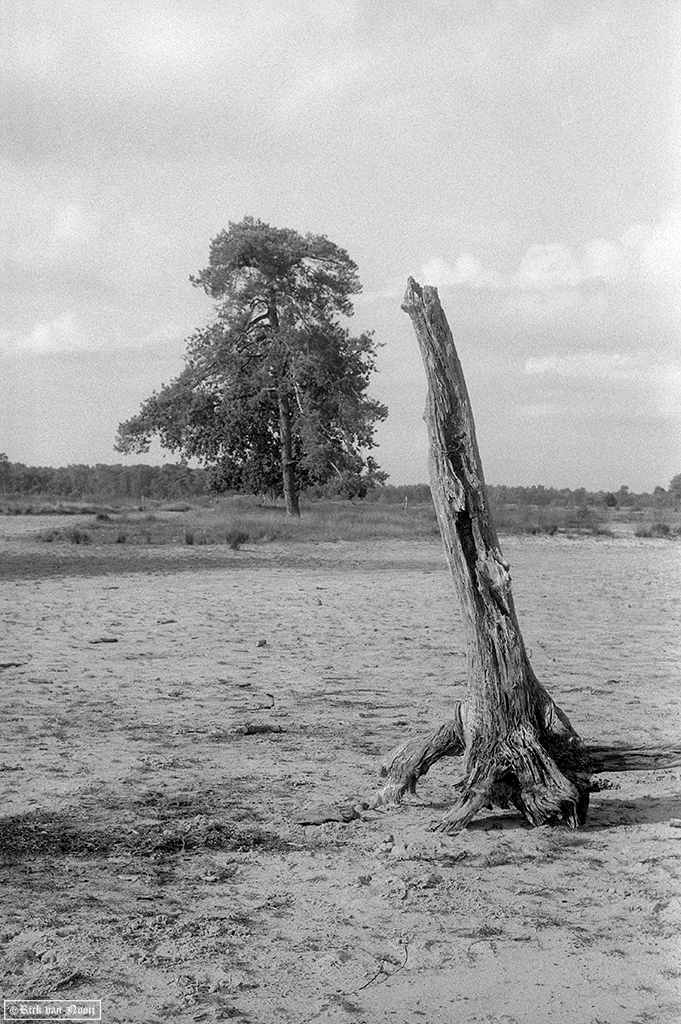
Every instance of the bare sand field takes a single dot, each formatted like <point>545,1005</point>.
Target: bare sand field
<point>153,850</point>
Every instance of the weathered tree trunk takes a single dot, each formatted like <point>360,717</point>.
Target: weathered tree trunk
<point>518,746</point>
<point>405,765</point>
<point>288,466</point>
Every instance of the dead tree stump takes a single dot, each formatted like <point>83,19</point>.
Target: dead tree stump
<point>518,747</point>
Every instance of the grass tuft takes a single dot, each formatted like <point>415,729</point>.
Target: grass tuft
<point>235,538</point>
<point>74,535</point>
<point>663,530</point>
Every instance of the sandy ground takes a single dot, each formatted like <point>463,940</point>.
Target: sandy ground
<point>153,857</point>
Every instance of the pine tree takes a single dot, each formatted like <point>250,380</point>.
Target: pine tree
<point>273,396</point>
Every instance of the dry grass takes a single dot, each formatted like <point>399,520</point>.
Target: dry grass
<point>663,530</point>
<point>236,521</point>
<point>240,519</point>
<point>530,519</point>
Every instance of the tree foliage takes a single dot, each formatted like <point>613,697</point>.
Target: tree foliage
<point>273,396</point>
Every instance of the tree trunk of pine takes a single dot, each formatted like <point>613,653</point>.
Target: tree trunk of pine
<point>288,466</point>
<point>287,461</point>
<point>518,747</point>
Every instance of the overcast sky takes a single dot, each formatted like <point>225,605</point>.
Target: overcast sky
<point>522,155</point>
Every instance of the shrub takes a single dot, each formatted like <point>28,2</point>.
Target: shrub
<point>76,536</point>
<point>235,538</point>
<point>529,519</point>
<point>656,530</point>
<point>189,536</point>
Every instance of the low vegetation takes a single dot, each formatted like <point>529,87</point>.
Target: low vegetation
<point>74,535</point>
<point>659,530</point>
<point>172,504</point>
<point>237,521</point>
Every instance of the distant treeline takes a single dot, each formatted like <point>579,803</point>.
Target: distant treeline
<point>172,481</point>
<point>102,482</point>
<point>539,496</point>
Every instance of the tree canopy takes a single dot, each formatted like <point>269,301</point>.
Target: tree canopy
<point>273,396</point>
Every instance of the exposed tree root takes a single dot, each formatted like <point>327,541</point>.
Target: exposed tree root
<point>548,780</point>
<point>405,765</point>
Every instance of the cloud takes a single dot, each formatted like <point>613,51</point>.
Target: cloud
<point>172,79</point>
<point>68,242</point>
<point>655,251</point>
<point>62,334</point>
<point>666,382</point>
<point>318,84</point>
<point>547,266</point>
<point>649,255</point>
<point>466,272</point>
<point>584,364</point>
<point>40,228</point>
<point>88,331</point>
<point>603,259</point>
<point>537,410</point>
<point>600,381</point>
<point>71,223</point>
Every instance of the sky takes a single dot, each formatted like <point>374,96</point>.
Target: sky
<point>521,155</point>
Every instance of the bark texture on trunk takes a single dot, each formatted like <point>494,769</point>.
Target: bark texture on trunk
<point>409,761</point>
<point>518,746</point>
<point>288,466</point>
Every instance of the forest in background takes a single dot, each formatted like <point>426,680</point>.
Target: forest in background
<point>138,483</point>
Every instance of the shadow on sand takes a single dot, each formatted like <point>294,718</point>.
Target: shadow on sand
<point>610,812</point>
